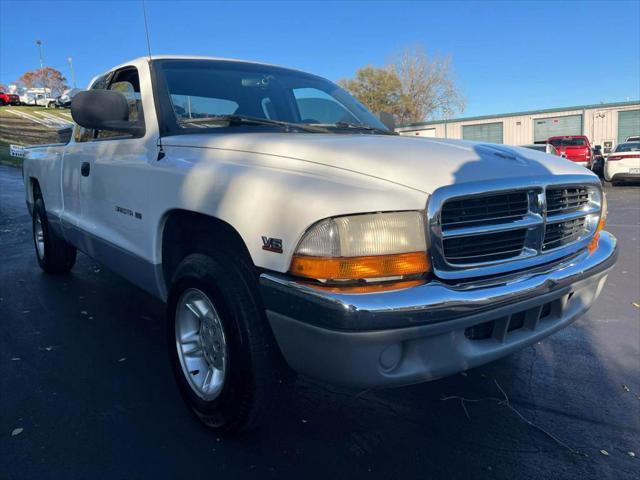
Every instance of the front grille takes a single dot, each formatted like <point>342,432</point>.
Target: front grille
<point>566,199</point>
<point>484,247</point>
<point>561,233</point>
<point>486,210</point>
<point>478,233</point>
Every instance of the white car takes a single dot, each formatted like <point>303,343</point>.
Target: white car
<point>635,138</point>
<point>543,147</point>
<point>623,163</point>
<point>283,224</point>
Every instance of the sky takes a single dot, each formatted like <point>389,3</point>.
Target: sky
<point>507,56</point>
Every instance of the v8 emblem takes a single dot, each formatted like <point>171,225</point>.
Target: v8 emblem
<point>272,244</point>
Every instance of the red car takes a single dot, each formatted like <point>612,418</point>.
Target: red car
<point>9,99</point>
<point>574,147</point>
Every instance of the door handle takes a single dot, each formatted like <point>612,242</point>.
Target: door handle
<point>85,169</point>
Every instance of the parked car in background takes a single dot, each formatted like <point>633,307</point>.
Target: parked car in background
<point>575,148</point>
<point>9,99</point>
<point>64,100</point>
<point>543,147</point>
<point>635,138</point>
<point>623,163</point>
<point>37,99</point>
<point>596,165</point>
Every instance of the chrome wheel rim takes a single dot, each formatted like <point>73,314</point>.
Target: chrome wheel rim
<point>38,237</point>
<point>201,344</point>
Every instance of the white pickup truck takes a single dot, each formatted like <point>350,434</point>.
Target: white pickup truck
<point>283,224</point>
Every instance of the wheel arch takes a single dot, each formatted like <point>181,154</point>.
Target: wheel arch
<point>33,192</point>
<point>183,232</point>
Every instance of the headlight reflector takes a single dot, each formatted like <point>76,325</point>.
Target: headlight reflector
<point>360,247</point>
<point>604,211</point>
<point>362,235</point>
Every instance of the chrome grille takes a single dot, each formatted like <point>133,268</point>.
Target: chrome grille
<point>487,210</point>
<point>479,231</point>
<point>562,233</point>
<point>564,200</point>
<point>486,247</point>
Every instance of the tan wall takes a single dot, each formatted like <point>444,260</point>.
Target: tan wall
<point>598,124</point>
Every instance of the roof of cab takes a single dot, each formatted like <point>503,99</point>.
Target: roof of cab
<point>143,60</point>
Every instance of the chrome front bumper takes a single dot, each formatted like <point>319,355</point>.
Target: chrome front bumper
<point>426,332</point>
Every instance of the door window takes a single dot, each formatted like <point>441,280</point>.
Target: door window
<point>127,82</point>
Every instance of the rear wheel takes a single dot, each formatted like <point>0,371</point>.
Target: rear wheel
<point>221,348</point>
<point>54,254</point>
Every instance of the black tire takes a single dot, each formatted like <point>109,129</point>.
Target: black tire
<point>253,373</point>
<point>58,256</point>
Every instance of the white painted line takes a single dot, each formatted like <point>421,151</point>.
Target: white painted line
<point>26,116</point>
<point>54,118</point>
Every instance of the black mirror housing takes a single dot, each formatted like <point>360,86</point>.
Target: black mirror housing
<point>103,110</point>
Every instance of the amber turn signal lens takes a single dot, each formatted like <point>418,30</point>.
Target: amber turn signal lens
<point>356,268</point>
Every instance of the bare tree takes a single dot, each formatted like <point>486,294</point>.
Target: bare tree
<point>413,87</point>
<point>428,86</point>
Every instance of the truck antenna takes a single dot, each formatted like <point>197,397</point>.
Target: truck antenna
<point>146,28</point>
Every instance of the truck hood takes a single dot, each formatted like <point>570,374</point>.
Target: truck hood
<point>419,163</point>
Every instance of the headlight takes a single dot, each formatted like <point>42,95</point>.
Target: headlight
<point>604,211</point>
<point>379,246</point>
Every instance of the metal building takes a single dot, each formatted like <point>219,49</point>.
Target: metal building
<point>605,124</point>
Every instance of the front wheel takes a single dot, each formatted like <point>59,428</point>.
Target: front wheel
<point>221,348</point>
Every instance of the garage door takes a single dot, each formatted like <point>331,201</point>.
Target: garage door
<point>628,124</point>
<point>486,132</point>
<point>544,128</point>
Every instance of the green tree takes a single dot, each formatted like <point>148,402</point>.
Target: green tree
<point>377,88</point>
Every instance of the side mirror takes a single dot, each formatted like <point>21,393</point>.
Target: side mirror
<point>388,120</point>
<point>103,110</point>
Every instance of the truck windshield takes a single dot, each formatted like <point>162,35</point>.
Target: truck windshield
<point>201,90</point>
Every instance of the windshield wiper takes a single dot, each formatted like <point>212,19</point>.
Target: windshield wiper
<point>355,126</point>
<point>236,120</point>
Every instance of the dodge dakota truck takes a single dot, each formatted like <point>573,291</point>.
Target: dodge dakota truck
<point>287,229</point>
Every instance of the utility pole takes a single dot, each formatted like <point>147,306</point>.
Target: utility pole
<point>42,76</point>
<point>73,73</point>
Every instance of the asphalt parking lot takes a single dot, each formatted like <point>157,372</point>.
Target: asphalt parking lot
<point>86,390</point>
